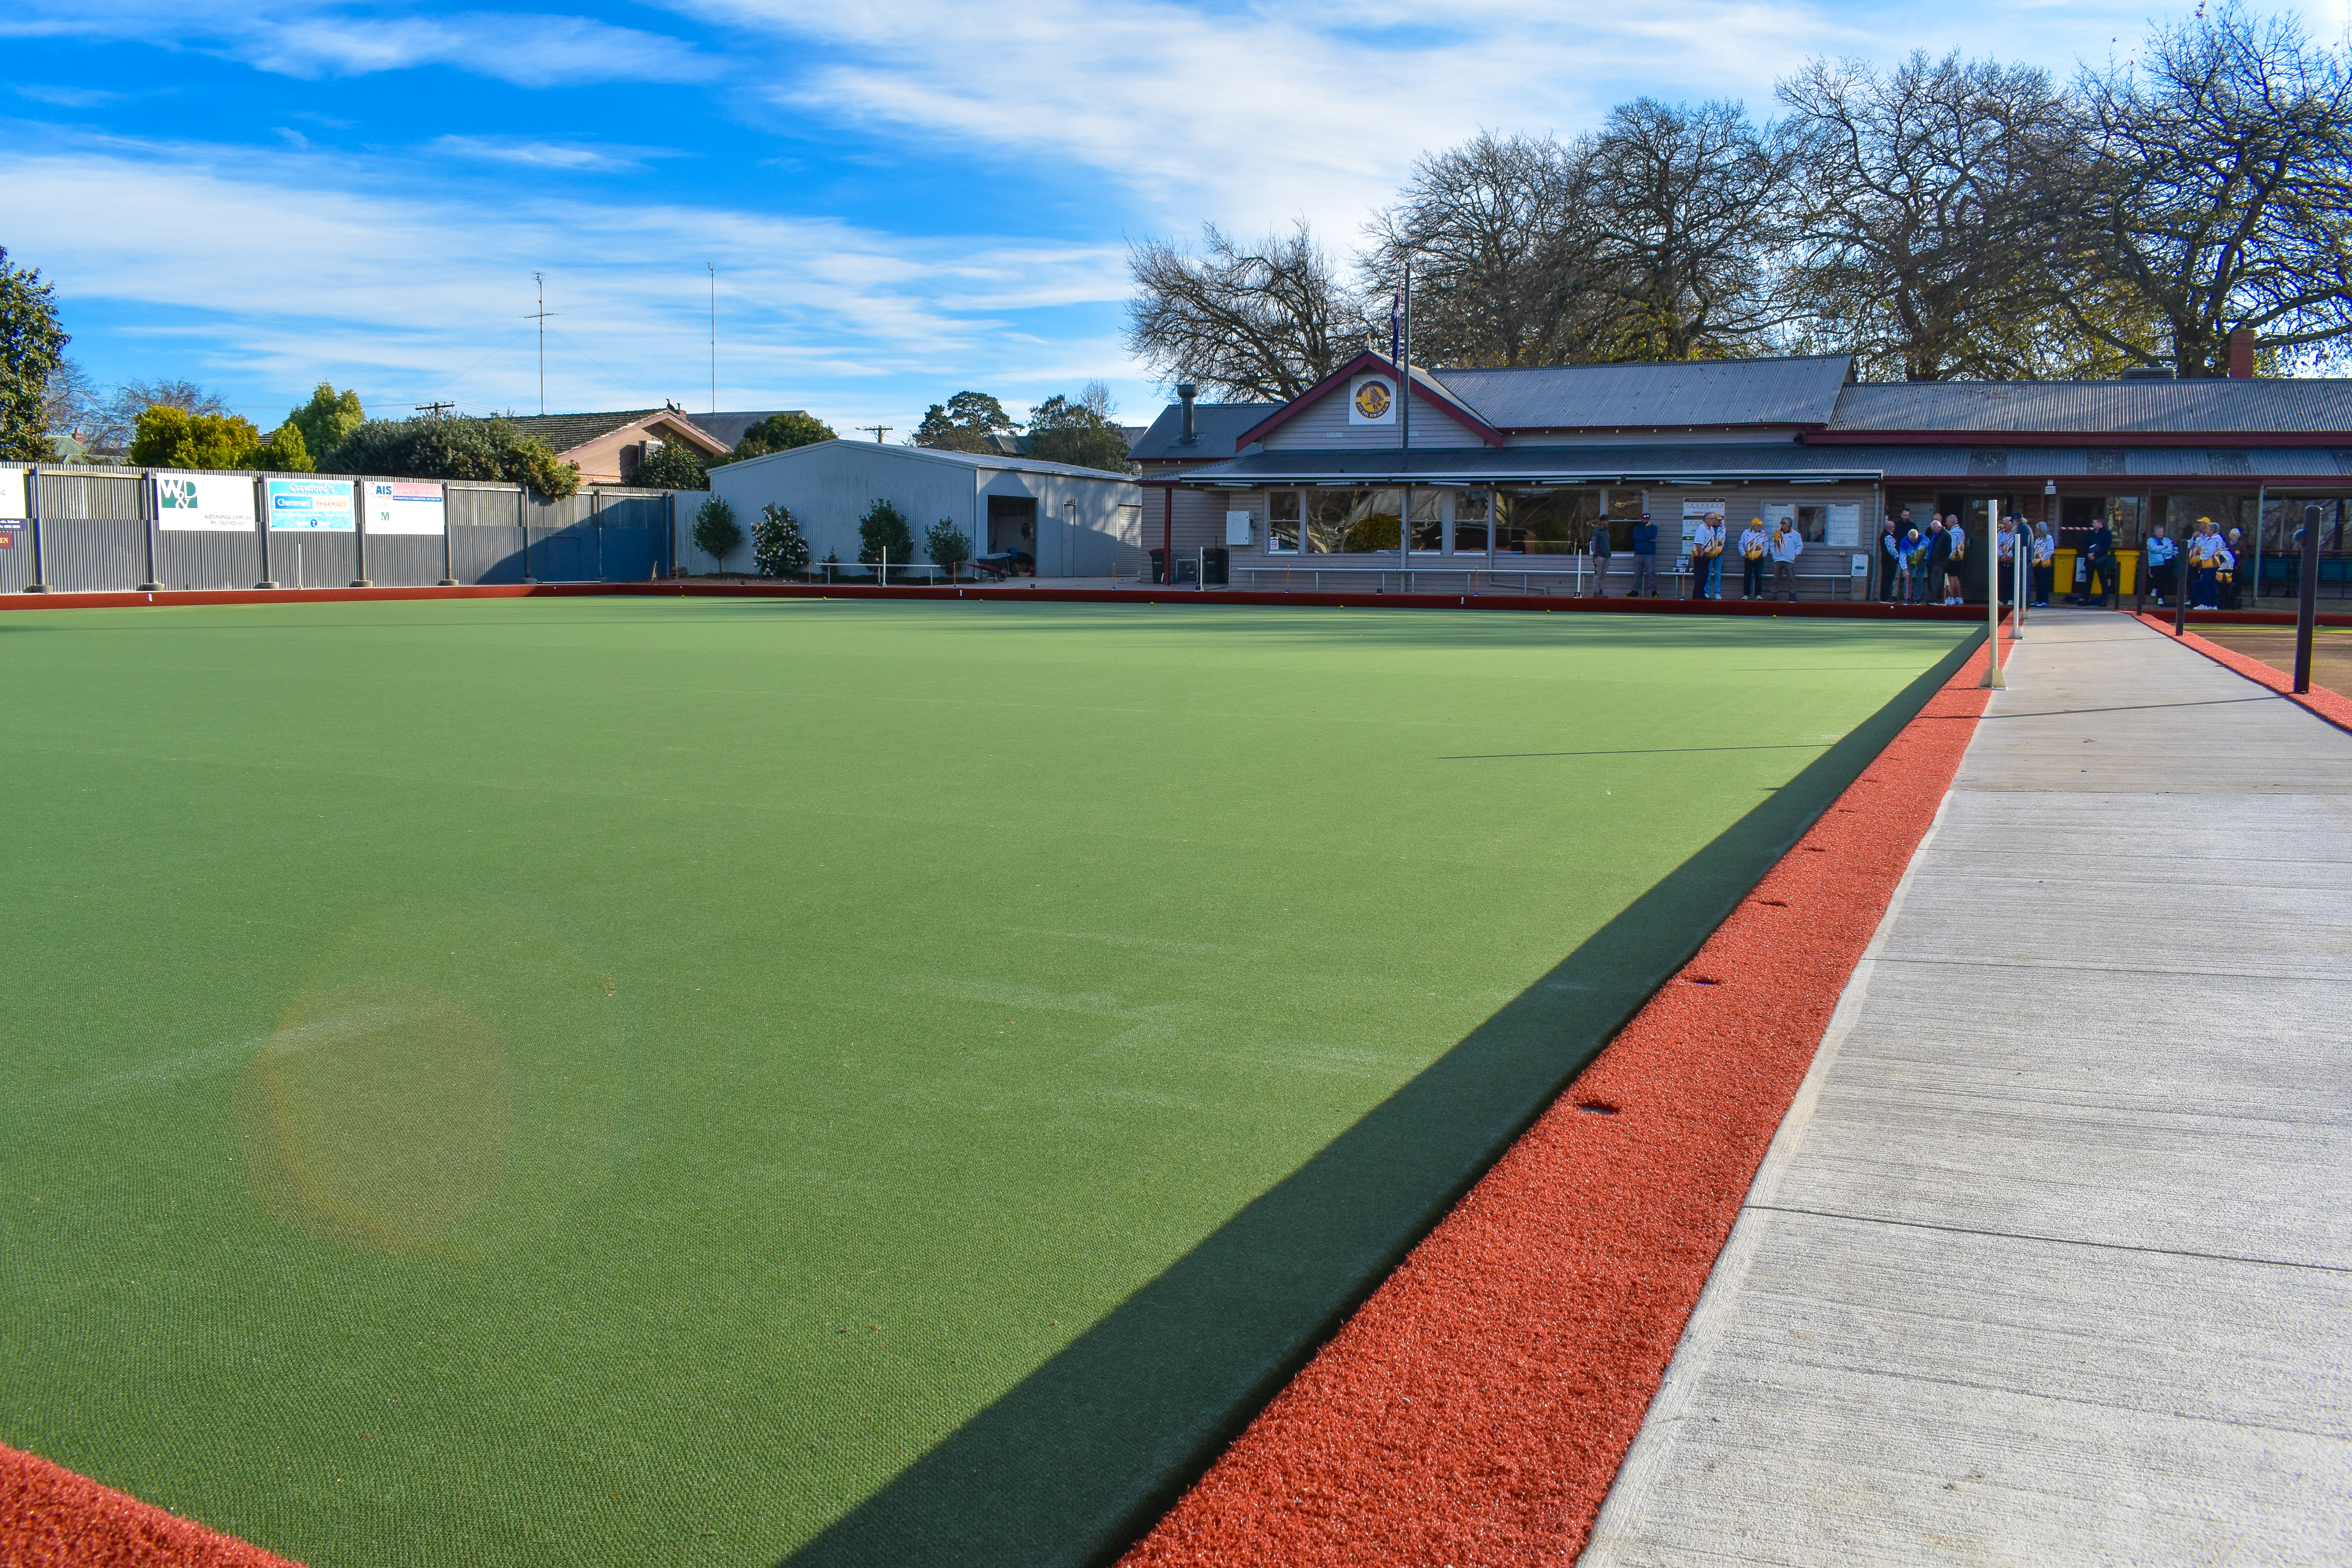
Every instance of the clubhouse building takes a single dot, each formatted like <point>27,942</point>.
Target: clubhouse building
<point>1498,478</point>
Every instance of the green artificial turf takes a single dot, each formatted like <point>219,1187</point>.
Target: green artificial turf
<point>633,1080</point>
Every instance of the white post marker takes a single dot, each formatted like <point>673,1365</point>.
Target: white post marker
<point>1992,594</point>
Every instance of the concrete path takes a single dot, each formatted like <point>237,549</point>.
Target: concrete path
<point>2051,1260</point>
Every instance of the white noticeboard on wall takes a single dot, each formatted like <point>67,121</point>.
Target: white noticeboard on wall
<point>220,503</point>
<point>12,494</point>
<point>1776,514</point>
<point>405,506</point>
<point>311,506</point>
<point>1845,526</point>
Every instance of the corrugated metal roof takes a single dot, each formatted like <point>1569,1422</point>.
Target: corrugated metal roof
<point>1680,393</point>
<point>999,462</point>
<point>2100,407</point>
<point>1664,462</point>
<point>1218,424</point>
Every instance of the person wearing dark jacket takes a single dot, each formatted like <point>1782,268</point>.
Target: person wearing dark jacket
<point>1646,558</point>
<point>1890,557</point>
<point>2101,554</point>
<point>1939,561</point>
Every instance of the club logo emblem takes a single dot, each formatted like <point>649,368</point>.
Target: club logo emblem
<point>1372,399</point>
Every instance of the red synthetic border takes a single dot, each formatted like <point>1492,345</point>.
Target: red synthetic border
<point>2329,705</point>
<point>52,1518</point>
<point>1476,1410</point>
<point>2247,618</point>
<point>1866,610</point>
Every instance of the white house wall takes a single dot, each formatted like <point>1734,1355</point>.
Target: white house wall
<point>1323,426</point>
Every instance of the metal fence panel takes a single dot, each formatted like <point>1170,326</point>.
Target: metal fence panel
<point>98,493</point>
<point>94,555</point>
<point>404,559</point>
<point>486,554</point>
<point>189,559</point>
<point>302,559</point>
<point>633,554</point>
<point>565,554</point>
<point>644,510</point>
<point>481,506</point>
<point>16,559</point>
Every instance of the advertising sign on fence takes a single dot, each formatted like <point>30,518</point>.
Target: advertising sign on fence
<point>12,494</point>
<point>401,505</point>
<point>312,506</point>
<point>218,503</point>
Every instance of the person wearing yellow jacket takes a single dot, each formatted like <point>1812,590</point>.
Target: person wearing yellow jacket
<point>2204,551</point>
<point>1755,547</point>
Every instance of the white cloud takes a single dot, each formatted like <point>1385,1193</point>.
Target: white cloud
<point>66,97</point>
<point>523,153</point>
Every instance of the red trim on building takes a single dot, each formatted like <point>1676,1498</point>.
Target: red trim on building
<point>1431,394</point>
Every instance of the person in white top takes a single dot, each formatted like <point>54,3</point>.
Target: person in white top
<point>2045,564</point>
<point>2204,551</point>
<point>1956,546</point>
<point>1706,557</point>
<point>2005,557</point>
<point>1754,549</point>
<point>1787,545</point>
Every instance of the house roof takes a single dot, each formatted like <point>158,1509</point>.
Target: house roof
<point>1218,424</point>
<point>1678,393</point>
<point>998,462</point>
<point>1661,462</point>
<point>2117,409</point>
<point>1432,392</point>
<point>568,433</point>
<point>728,428</point>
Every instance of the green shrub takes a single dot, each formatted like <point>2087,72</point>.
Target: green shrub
<point>778,549</point>
<point>780,433</point>
<point>453,449</point>
<point>883,530</point>
<point>716,533</point>
<point>947,546</point>
<point>672,466</point>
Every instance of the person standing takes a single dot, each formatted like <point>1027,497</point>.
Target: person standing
<point>2204,553</point>
<point>2045,563</point>
<point>1599,548</point>
<point>1939,557</point>
<point>1645,557</point>
<point>1916,550</point>
<point>1787,545</point>
<point>2163,562</point>
<point>1755,547</point>
<point>2101,553</point>
<point>2004,565</point>
<point>1706,557</point>
<point>1891,546</point>
<point>1956,550</point>
<point>2233,546</point>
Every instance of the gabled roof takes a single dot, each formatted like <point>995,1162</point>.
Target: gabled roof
<point>567,432</point>
<point>1432,391</point>
<point>994,462</point>
<point>1671,394</point>
<point>2116,410</point>
<point>1217,426</point>
<point>729,426</point>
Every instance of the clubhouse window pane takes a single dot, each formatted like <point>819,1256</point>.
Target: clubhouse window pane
<point>1352,522</point>
<point>1470,522</point>
<point>1813,523</point>
<point>1428,527</point>
<point>1547,522</point>
<point>1282,523</point>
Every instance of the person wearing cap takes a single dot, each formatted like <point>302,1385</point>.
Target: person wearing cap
<point>1755,547</point>
<point>1787,545</point>
<point>2044,561</point>
<point>2163,563</point>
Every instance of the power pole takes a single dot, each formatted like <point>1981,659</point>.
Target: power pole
<point>713,270</point>
<point>433,410</point>
<point>541,316</point>
<point>879,431</point>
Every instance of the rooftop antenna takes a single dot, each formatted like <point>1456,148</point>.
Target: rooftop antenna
<point>541,316</point>
<point>712,268</point>
<point>879,431</point>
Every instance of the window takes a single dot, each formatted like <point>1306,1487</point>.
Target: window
<point>1282,523</point>
<point>1352,522</point>
<point>1470,523</point>
<point>1547,521</point>
<point>1813,523</point>
<point>1428,526</point>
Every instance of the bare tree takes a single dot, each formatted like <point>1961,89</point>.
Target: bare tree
<point>1500,234</point>
<point>2220,190</point>
<point>1929,203</point>
<point>1263,323</point>
<point>112,424</point>
<point>1688,208</point>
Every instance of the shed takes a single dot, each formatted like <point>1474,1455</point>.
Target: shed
<point>1071,521</point>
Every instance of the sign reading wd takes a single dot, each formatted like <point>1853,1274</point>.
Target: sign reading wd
<point>400,506</point>
<point>311,506</point>
<point>218,503</point>
<point>1372,400</point>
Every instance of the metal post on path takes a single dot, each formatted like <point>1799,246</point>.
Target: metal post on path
<point>2306,609</point>
<point>1992,677</point>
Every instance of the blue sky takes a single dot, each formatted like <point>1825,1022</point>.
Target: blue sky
<point>901,197</point>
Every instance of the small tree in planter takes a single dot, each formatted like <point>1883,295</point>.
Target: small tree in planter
<point>716,533</point>
<point>883,530</point>
<point>778,550</point>
<point>947,546</point>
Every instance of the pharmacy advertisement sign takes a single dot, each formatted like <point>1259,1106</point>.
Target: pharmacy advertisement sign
<point>211,503</point>
<point>311,506</point>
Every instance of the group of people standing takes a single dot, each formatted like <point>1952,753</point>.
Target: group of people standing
<point>2212,561</point>
<point>1763,551</point>
<point>1920,562</point>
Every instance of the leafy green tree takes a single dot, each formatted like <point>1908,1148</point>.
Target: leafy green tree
<point>1080,432</point>
<point>168,438</point>
<point>32,347</point>
<point>454,449</point>
<point>963,424</point>
<point>778,548</point>
<point>945,543</point>
<point>672,466</point>
<point>327,418</point>
<point>716,533</point>
<point>284,453</point>
<point>780,433</point>
<point>883,530</point>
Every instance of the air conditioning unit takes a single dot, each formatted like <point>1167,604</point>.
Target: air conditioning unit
<point>1238,528</point>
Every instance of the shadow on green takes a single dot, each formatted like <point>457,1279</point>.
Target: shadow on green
<point>1075,1463</point>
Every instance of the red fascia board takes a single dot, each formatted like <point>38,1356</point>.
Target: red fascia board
<point>1367,360</point>
<point>1825,438</point>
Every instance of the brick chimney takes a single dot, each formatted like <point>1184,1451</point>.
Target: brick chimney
<point>2242,355</point>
